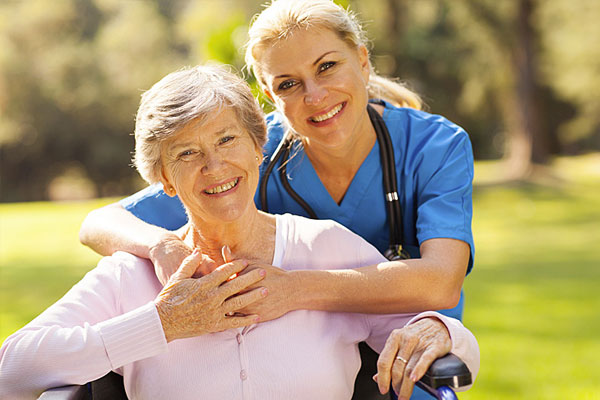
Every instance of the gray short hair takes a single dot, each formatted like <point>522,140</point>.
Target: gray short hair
<point>196,93</point>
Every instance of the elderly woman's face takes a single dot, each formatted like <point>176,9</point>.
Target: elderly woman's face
<point>213,167</point>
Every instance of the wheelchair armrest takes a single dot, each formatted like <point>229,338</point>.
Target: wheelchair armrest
<point>109,387</point>
<point>73,392</point>
<point>448,371</point>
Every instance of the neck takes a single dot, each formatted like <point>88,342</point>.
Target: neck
<point>251,236</point>
<point>337,166</point>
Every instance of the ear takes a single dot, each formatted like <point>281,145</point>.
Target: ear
<point>168,188</point>
<point>365,64</point>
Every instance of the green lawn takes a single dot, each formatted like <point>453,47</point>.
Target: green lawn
<point>532,299</point>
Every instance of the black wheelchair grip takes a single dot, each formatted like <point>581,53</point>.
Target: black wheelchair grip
<point>448,371</point>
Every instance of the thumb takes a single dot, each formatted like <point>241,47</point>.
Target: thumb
<point>188,266</point>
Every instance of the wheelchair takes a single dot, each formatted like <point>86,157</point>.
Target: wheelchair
<point>445,374</point>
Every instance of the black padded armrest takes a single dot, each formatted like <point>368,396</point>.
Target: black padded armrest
<point>74,392</point>
<point>448,371</point>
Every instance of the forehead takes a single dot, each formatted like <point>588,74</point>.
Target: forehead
<point>200,129</point>
<point>299,50</point>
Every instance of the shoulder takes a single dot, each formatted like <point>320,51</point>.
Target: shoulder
<point>328,241</point>
<point>126,267</point>
<point>419,135</point>
<point>276,128</point>
<point>422,123</point>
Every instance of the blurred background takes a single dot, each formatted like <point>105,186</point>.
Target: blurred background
<point>521,76</point>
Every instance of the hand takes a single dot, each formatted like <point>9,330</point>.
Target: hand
<point>419,344</point>
<point>190,307</point>
<point>168,254</point>
<point>280,285</point>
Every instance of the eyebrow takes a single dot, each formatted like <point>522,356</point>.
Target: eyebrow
<point>314,63</point>
<point>180,146</point>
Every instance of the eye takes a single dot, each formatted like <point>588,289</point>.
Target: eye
<point>286,85</point>
<point>226,139</point>
<point>326,65</point>
<point>186,154</point>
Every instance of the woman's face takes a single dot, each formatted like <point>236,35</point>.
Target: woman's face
<point>213,167</point>
<point>319,82</point>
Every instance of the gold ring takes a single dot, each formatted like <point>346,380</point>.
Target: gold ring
<point>402,359</point>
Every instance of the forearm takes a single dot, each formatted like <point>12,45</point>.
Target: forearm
<point>432,282</point>
<point>112,228</point>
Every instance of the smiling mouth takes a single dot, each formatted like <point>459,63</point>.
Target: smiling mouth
<point>330,114</point>
<point>223,188</point>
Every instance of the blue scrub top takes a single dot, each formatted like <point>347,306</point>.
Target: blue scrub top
<point>434,166</point>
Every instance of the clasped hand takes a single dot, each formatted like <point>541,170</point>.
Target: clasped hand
<point>190,307</point>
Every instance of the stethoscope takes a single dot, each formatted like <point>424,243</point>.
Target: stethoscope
<point>388,167</point>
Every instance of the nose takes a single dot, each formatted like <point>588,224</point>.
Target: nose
<point>314,93</point>
<point>213,163</point>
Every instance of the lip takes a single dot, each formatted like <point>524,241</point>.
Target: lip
<point>225,193</point>
<point>330,120</point>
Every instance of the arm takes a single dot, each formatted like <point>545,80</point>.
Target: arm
<point>141,229</point>
<point>87,334</point>
<point>432,282</point>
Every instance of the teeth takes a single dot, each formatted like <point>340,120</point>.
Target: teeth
<point>223,188</point>
<point>330,114</point>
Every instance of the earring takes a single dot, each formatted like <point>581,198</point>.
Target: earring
<point>257,159</point>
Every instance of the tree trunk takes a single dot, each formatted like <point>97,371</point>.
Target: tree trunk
<point>526,143</point>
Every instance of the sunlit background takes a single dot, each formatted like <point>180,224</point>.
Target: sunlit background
<point>521,76</point>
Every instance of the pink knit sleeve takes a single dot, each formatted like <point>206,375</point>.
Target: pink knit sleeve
<point>79,338</point>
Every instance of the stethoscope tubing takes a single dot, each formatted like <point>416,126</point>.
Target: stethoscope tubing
<point>388,168</point>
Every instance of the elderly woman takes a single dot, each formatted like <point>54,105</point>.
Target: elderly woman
<point>199,131</point>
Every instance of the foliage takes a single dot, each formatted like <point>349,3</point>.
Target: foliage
<point>531,299</point>
<point>71,73</point>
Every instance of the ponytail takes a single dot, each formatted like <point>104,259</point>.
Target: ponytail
<point>393,92</point>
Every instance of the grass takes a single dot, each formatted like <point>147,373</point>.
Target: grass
<point>532,297</point>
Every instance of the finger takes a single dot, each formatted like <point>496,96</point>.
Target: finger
<point>207,265</point>
<point>240,321</point>
<point>403,359</point>
<point>242,282</point>
<point>188,266</point>
<point>223,272</point>
<point>241,301</point>
<point>405,388</point>
<point>386,361</point>
<point>226,253</point>
<point>425,361</point>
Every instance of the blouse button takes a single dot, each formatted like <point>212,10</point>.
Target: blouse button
<point>239,338</point>
<point>243,375</point>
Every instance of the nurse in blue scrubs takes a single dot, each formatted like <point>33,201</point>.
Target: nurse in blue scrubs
<point>311,61</point>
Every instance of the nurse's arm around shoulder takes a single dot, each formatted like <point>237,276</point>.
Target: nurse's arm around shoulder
<point>112,228</point>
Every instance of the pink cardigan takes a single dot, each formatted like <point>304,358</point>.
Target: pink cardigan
<point>108,321</point>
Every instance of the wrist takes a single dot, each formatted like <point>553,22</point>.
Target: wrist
<point>162,243</point>
<point>307,295</point>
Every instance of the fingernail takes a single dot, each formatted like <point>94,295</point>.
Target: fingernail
<point>264,291</point>
<point>262,272</point>
<point>196,252</point>
<point>257,319</point>
<point>413,377</point>
<point>375,377</point>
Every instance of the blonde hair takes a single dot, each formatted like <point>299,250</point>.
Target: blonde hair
<point>197,93</point>
<point>282,17</point>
